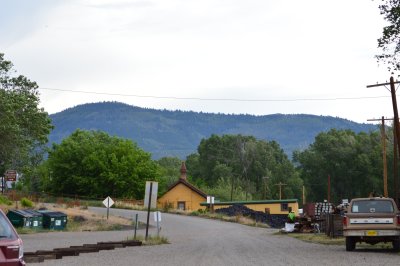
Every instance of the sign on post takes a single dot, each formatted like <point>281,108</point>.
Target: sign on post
<point>154,192</point>
<point>210,200</point>
<point>157,219</point>
<point>11,175</point>
<point>150,200</point>
<point>108,202</point>
<point>157,216</point>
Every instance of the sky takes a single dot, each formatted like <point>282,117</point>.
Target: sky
<point>255,57</point>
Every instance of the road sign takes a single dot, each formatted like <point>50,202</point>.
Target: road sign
<point>150,200</point>
<point>157,219</point>
<point>157,216</point>
<point>154,191</point>
<point>11,175</point>
<point>210,200</point>
<point>108,202</point>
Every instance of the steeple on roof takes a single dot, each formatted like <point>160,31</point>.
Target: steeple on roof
<point>183,180</point>
<point>183,171</point>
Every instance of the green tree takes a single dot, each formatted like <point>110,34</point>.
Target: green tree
<point>169,172</point>
<point>389,43</point>
<point>24,127</point>
<point>243,162</point>
<point>353,162</point>
<point>94,164</point>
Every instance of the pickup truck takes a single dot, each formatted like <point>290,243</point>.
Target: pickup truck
<point>372,220</point>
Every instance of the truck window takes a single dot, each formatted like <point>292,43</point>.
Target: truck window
<point>371,206</point>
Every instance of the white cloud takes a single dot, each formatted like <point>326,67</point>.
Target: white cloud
<point>209,49</point>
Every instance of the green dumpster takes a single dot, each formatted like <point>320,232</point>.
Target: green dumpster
<point>20,218</point>
<point>37,219</point>
<point>54,220</point>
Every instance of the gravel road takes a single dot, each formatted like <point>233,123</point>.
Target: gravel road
<point>197,241</point>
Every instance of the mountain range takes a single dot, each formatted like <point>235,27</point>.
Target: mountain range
<point>178,133</point>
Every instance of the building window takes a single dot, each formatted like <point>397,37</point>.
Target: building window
<point>284,207</point>
<point>181,205</point>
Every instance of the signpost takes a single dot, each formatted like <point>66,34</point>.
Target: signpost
<point>136,224</point>
<point>150,198</point>
<point>157,219</point>
<point>210,200</point>
<point>153,197</point>
<point>108,202</point>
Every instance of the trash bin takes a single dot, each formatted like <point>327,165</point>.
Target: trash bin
<point>20,218</point>
<point>37,219</point>
<point>54,220</point>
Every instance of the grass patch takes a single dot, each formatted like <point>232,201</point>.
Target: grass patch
<point>325,240</point>
<point>119,205</point>
<point>26,231</point>
<point>79,217</point>
<point>151,240</point>
<point>317,238</point>
<point>233,219</point>
<point>5,201</point>
<point>75,226</point>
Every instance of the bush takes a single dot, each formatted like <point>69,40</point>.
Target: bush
<point>5,200</point>
<point>201,211</point>
<point>151,240</point>
<point>26,203</point>
<point>167,206</point>
<point>194,213</point>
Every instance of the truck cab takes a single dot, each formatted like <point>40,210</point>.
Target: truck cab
<point>372,220</point>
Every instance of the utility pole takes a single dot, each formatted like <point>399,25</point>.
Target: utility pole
<point>395,169</point>
<point>383,138</point>
<point>265,179</point>
<point>329,188</point>
<point>280,184</point>
<point>394,103</point>
<point>396,118</point>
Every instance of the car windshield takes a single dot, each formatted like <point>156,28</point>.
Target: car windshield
<point>371,206</point>
<point>6,231</point>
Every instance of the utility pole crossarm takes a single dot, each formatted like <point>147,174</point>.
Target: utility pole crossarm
<point>380,119</point>
<point>382,84</point>
<point>394,104</point>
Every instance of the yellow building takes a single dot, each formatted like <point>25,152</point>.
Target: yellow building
<point>182,195</point>
<point>267,206</point>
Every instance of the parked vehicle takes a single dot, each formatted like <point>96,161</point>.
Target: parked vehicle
<point>372,220</point>
<point>11,247</point>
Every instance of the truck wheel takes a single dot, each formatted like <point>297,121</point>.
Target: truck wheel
<point>350,243</point>
<point>396,245</point>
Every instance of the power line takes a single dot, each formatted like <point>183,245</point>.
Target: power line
<point>215,99</point>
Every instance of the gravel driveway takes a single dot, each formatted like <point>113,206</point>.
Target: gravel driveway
<point>197,241</point>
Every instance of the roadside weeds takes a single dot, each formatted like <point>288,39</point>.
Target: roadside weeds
<point>340,241</point>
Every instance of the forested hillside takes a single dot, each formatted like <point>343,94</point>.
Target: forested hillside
<point>178,133</point>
